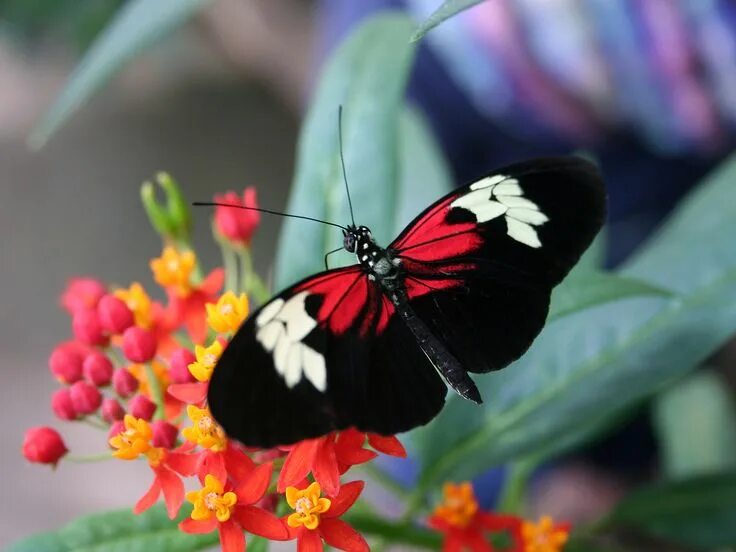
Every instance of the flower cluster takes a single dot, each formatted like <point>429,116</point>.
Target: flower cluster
<point>466,527</point>
<point>139,369</point>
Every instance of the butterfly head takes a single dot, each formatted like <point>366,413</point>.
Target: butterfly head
<point>355,236</point>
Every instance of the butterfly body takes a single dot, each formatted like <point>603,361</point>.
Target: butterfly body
<point>464,289</point>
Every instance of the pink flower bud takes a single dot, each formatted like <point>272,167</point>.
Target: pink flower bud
<point>124,382</point>
<point>164,434</point>
<point>139,345</point>
<point>43,445</point>
<point>62,405</point>
<point>237,225</point>
<point>179,362</point>
<point>141,406</point>
<point>65,364</point>
<point>82,294</point>
<point>115,429</point>
<point>112,411</point>
<point>115,316</point>
<point>87,328</point>
<point>97,368</point>
<point>86,398</point>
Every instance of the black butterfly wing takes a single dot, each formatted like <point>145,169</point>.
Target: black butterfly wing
<point>325,354</point>
<point>481,262</point>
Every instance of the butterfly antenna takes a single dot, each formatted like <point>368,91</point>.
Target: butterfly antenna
<point>342,162</point>
<point>269,211</point>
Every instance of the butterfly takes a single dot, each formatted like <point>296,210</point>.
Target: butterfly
<point>464,289</point>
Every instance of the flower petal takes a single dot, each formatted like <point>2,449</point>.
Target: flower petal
<point>194,527</point>
<point>173,490</point>
<point>253,487</point>
<point>190,393</point>
<point>238,464</point>
<point>148,499</point>
<point>340,535</point>
<point>349,493</point>
<point>309,541</point>
<point>387,445</point>
<point>211,463</point>
<point>325,468</point>
<point>260,522</point>
<point>183,464</point>
<point>476,542</point>
<point>298,463</point>
<point>231,537</point>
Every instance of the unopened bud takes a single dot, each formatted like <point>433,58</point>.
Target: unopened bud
<point>124,382</point>
<point>97,368</point>
<point>86,398</point>
<point>115,316</point>
<point>141,406</point>
<point>139,345</point>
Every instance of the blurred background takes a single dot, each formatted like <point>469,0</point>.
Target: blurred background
<point>648,87</point>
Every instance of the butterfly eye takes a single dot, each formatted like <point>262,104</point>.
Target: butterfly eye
<point>348,243</point>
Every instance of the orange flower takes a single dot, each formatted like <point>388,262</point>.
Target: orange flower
<point>545,536</point>
<point>173,269</point>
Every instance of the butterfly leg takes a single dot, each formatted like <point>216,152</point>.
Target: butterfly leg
<point>444,362</point>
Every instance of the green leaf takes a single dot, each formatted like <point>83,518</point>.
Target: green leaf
<point>366,75</point>
<point>696,426</point>
<point>696,245</point>
<point>118,531</point>
<point>424,176</point>
<point>136,26</point>
<point>448,9</point>
<point>394,533</point>
<point>590,288</point>
<point>698,512</point>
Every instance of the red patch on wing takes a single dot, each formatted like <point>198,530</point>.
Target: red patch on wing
<point>344,292</point>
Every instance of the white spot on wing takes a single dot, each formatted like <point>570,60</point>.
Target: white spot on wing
<point>499,195</point>
<point>281,327</point>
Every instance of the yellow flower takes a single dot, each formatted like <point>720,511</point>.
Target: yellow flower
<point>138,302</point>
<point>211,499</point>
<point>307,505</point>
<point>544,536</point>
<point>174,269</point>
<point>206,359</point>
<point>458,506</point>
<point>228,313</point>
<point>134,440</point>
<point>204,430</point>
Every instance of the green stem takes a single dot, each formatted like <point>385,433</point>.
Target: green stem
<point>394,532</point>
<point>83,459</point>
<point>251,282</point>
<point>230,263</point>
<point>157,393</point>
<point>514,488</point>
<point>97,424</point>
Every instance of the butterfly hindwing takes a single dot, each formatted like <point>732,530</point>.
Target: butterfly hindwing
<point>326,354</point>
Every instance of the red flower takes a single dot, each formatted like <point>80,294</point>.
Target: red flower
<point>237,225</point>
<point>329,456</point>
<point>43,445</point>
<point>466,527</point>
<point>189,309</point>
<point>230,510</point>
<point>166,466</point>
<point>316,519</point>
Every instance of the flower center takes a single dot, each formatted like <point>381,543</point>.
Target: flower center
<point>212,501</point>
<point>226,309</point>
<point>303,505</point>
<point>205,424</point>
<point>209,359</point>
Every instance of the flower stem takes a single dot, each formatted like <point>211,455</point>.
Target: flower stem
<point>251,282</point>
<point>514,488</point>
<point>83,459</point>
<point>230,263</point>
<point>94,422</point>
<point>157,393</point>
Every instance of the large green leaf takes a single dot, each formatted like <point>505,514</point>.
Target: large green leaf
<point>118,531</point>
<point>696,426</point>
<point>448,9</point>
<point>137,25</point>
<point>590,288</point>
<point>698,512</point>
<point>366,75</point>
<point>591,366</point>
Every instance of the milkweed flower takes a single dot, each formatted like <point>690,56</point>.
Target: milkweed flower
<point>544,536</point>
<point>228,313</point>
<point>43,445</point>
<point>466,527</point>
<point>330,456</point>
<point>206,357</point>
<point>315,518</point>
<point>173,269</point>
<point>237,225</point>
<point>139,303</point>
